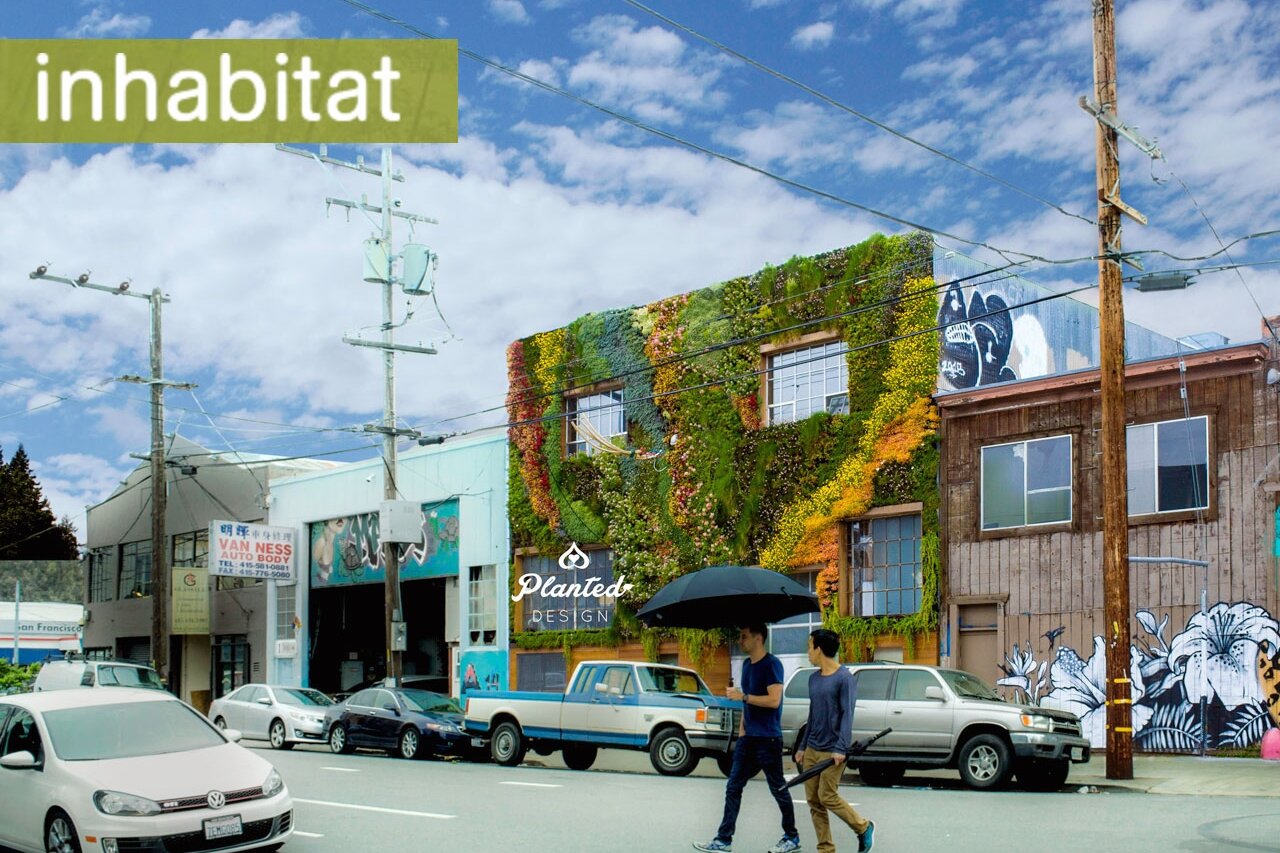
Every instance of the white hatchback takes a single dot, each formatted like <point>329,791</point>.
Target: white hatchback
<point>127,769</point>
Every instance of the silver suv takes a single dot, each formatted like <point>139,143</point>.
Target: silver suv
<point>946,718</point>
<point>77,672</point>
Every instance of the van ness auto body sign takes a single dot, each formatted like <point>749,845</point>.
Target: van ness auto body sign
<point>251,551</point>
<point>228,90</point>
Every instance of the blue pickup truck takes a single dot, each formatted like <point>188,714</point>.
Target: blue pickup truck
<point>665,710</point>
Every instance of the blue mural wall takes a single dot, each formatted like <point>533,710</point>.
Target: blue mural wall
<point>484,670</point>
<point>345,550</point>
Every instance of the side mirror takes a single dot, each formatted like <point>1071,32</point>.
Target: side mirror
<point>392,708</point>
<point>935,692</point>
<point>21,760</point>
<point>265,701</point>
<point>232,735</point>
<point>601,687</point>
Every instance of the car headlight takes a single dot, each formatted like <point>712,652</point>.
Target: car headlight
<point>443,727</point>
<point>1037,722</point>
<point>300,717</point>
<point>710,716</point>
<point>117,803</point>
<point>273,784</point>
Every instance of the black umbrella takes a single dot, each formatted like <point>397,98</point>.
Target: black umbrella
<point>856,748</point>
<point>725,597</point>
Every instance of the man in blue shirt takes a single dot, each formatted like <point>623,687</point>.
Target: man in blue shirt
<point>759,745</point>
<point>833,692</point>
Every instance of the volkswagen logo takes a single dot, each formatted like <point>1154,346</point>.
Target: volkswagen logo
<point>216,799</point>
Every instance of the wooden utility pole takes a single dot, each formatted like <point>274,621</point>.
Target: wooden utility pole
<point>159,504</point>
<point>1115,498</point>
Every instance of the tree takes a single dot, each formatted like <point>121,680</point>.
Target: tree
<point>28,528</point>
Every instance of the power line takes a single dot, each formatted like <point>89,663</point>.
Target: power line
<point>678,140</point>
<point>851,111</point>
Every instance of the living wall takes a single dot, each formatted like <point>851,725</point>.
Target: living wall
<point>705,480</point>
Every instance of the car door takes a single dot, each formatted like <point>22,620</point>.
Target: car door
<point>920,725</point>
<point>233,708</point>
<point>616,713</point>
<point>257,716</point>
<point>26,793</point>
<point>385,718</point>
<point>870,708</point>
<point>359,709</point>
<point>578,702</point>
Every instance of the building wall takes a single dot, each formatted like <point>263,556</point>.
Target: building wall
<point>473,470</point>
<point>1047,586</point>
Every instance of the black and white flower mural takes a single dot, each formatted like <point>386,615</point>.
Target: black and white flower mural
<point>1228,656</point>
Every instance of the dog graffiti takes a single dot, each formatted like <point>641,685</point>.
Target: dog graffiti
<point>976,340</point>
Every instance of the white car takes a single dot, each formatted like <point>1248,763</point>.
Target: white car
<point>279,715</point>
<point>128,769</point>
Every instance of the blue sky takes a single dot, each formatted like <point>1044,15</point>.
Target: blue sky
<point>549,209</point>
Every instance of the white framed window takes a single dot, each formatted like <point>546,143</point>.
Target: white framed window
<point>482,605</point>
<point>1168,466</point>
<point>602,413</point>
<point>886,573</point>
<point>1026,483</point>
<point>286,609</point>
<point>808,380</point>
<point>791,635</point>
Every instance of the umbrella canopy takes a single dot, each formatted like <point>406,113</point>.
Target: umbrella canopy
<point>725,597</point>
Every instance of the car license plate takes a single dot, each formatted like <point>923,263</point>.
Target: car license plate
<point>222,827</point>
<point>1071,753</point>
<point>477,741</point>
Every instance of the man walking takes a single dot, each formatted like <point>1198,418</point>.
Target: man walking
<point>833,692</point>
<point>759,745</point>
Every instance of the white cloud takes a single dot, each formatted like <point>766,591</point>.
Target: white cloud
<point>99,24</point>
<point>765,4</point>
<point>509,11</point>
<point>815,36</point>
<point>282,25</point>
<point>923,15</point>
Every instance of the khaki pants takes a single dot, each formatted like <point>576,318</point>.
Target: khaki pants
<point>823,794</point>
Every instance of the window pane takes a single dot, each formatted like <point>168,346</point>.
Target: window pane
<point>1002,486</point>
<point>873,684</point>
<point>1182,453</point>
<point>789,641</point>
<point>1049,463</point>
<point>1048,507</point>
<point>1141,452</point>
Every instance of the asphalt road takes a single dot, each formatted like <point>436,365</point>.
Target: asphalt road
<point>367,802</point>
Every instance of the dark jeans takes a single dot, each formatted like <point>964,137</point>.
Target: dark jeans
<point>750,755</point>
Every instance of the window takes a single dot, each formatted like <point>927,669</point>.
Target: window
<point>886,578</point>
<point>135,570</point>
<point>363,699</point>
<point>911,684</point>
<point>808,380</point>
<point>1026,483</point>
<point>101,575</point>
<point>543,672</point>
<point>601,414</point>
<point>873,684</point>
<point>1168,466</point>
<point>482,609</point>
<point>586,678</point>
<point>191,549</point>
<point>97,653</point>
<point>23,736</point>
<point>619,677</point>
<point>286,611</point>
<point>791,635</point>
<point>230,663</point>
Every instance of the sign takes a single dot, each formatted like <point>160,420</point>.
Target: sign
<point>578,595</point>
<point>190,605</point>
<point>251,551</point>
<point>347,550</point>
<point>286,648</point>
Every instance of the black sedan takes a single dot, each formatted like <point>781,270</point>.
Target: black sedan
<point>404,721</point>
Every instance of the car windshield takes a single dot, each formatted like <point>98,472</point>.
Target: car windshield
<point>128,730</point>
<point>969,685</point>
<point>661,680</point>
<point>128,676</point>
<point>302,696</point>
<point>432,703</point>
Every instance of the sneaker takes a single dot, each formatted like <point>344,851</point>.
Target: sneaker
<point>786,845</point>
<point>715,844</point>
<point>867,838</point>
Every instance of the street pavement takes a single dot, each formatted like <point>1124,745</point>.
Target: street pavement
<point>370,801</point>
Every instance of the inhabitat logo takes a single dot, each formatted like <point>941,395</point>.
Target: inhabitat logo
<point>234,90</point>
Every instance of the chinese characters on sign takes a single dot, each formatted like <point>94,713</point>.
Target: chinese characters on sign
<point>251,551</point>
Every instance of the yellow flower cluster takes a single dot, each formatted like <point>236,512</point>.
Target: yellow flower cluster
<point>550,347</point>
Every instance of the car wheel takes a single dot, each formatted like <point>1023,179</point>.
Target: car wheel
<point>580,756</point>
<point>279,736</point>
<point>508,745</point>
<point>1043,775</point>
<point>220,723</point>
<point>670,753</point>
<point>338,740</point>
<point>881,775</point>
<point>409,743</point>
<point>984,762</point>
<point>60,834</point>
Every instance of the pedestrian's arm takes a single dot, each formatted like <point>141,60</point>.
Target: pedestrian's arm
<point>844,730</point>
<point>772,699</point>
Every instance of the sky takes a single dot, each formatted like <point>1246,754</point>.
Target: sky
<point>548,208</point>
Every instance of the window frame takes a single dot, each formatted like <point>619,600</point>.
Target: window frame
<point>1039,526</point>
<point>482,622</point>
<point>102,580</point>
<point>132,552</point>
<point>815,366</point>
<point>571,402</point>
<point>1209,509</point>
<point>854,580</point>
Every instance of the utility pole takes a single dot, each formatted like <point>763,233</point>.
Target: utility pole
<point>159,495</point>
<point>379,260</point>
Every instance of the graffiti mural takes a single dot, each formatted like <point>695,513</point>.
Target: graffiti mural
<point>1229,657</point>
<point>484,670</point>
<point>346,550</point>
<point>983,343</point>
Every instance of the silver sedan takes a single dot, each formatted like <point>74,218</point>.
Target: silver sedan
<point>277,714</point>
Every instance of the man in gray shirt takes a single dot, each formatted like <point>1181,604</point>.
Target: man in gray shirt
<point>833,691</point>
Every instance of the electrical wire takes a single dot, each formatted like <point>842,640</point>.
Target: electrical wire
<point>827,99</point>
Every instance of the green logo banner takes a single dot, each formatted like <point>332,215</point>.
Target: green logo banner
<point>228,90</point>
